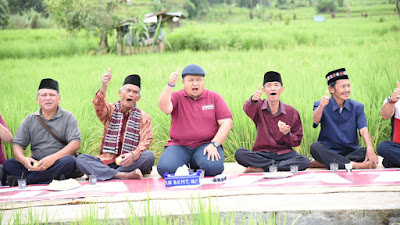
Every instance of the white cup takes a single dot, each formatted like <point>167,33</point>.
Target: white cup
<point>349,167</point>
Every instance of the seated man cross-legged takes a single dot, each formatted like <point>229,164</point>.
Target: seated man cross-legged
<point>127,135</point>
<point>340,118</point>
<point>279,129</point>
<point>200,123</point>
<point>50,158</point>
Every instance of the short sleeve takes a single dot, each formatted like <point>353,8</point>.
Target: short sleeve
<point>73,133</point>
<point>222,109</point>
<point>22,137</point>
<point>174,99</point>
<point>360,117</point>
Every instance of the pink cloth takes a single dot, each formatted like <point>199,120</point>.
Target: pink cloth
<point>194,122</point>
<point>2,155</point>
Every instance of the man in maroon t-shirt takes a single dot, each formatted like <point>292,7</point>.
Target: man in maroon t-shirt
<point>200,122</point>
<point>279,129</point>
<point>6,136</point>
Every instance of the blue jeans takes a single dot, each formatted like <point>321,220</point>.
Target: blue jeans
<point>390,151</point>
<point>175,156</point>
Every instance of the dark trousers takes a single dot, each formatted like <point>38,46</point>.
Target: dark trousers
<point>324,155</point>
<point>89,164</point>
<point>64,167</point>
<point>2,175</point>
<point>263,160</point>
<point>390,151</point>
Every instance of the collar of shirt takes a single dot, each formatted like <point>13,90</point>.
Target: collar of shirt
<point>203,94</point>
<point>281,109</point>
<point>58,113</point>
<point>335,106</point>
<point>129,112</point>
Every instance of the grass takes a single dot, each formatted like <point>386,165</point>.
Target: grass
<point>28,215</point>
<point>373,73</point>
<point>198,212</point>
<point>44,43</point>
<point>220,30</point>
<point>235,57</point>
<point>276,35</point>
<point>225,13</point>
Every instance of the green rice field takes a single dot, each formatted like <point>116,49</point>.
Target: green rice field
<point>235,58</point>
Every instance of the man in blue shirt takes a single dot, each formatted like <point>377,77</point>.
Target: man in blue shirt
<point>340,117</point>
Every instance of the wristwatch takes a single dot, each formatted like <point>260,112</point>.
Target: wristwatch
<point>215,144</point>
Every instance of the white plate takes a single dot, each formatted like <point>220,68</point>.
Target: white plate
<point>63,185</point>
<point>277,175</point>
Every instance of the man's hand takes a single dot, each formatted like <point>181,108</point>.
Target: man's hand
<point>325,99</point>
<point>396,93</point>
<point>283,127</point>
<point>29,164</point>
<point>107,158</point>
<point>173,78</point>
<point>320,109</point>
<point>129,158</point>
<point>164,101</point>
<point>371,158</point>
<point>45,163</point>
<point>106,78</point>
<point>212,152</point>
<point>257,94</point>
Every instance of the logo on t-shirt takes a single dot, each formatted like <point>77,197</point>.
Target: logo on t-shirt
<point>208,107</point>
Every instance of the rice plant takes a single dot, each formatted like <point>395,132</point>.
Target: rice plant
<point>303,55</point>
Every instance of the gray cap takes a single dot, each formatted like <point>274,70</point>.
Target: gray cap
<point>193,69</point>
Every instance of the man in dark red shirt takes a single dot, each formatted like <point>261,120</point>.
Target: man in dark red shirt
<point>200,123</point>
<point>279,129</point>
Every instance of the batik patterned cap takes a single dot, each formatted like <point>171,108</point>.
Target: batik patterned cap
<point>336,75</point>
